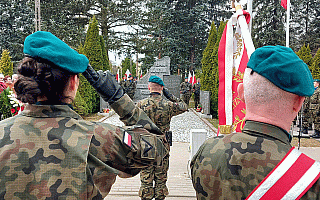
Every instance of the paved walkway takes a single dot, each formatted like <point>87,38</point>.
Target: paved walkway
<point>179,182</point>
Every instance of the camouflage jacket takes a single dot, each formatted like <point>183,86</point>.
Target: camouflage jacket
<point>161,111</point>
<point>50,152</point>
<point>230,167</point>
<point>185,88</point>
<point>196,89</point>
<point>315,100</point>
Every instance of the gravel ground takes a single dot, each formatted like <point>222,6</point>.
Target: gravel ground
<point>180,125</point>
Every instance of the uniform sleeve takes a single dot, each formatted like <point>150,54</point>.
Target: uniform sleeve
<point>178,107</point>
<point>132,115</point>
<point>127,150</point>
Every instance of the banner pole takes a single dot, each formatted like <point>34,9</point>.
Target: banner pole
<point>288,22</point>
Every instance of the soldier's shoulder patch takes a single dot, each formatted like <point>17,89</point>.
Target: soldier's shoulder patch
<point>127,139</point>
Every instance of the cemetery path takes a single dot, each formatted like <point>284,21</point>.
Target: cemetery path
<point>179,182</point>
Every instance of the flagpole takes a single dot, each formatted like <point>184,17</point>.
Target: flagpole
<point>249,6</point>
<point>288,22</point>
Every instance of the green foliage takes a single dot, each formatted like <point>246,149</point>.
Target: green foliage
<point>5,106</point>
<point>105,65</point>
<point>6,66</point>
<point>305,54</point>
<point>210,70</point>
<point>316,65</point>
<point>125,64</point>
<point>268,23</point>
<point>79,105</point>
<point>305,17</point>
<point>207,59</point>
<point>93,49</point>
<point>16,22</point>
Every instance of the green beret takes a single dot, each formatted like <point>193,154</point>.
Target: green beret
<point>155,79</point>
<point>45,45</point>
<point>284,68</point>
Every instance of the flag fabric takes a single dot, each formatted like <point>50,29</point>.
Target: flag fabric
<point>232,61</point>
<point>140,73</point>
<point>127,73</point>
<point>194,78</point>
<point>284,4</point>
<point>290,179</point>
<point>190,78</point>
<point>117,76</point>
<point>127,139</point>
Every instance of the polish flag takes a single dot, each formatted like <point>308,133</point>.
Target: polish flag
<point>190,78</point>
<point>141,73</point>
<point>194,78</point>
<point>117,76</point>
<point>127,139</point>
<point>127,73</point>
<point>284,4</point>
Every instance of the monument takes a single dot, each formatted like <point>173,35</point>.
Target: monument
<point>161,68</point>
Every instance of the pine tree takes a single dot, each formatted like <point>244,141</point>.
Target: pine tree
<point>215,73</point>
<point>105,65</point>
<point>268,23</point>
<point>316,65</point>
<point>79,105</point>
<point>305,54</point>
<point>16,22</point>
<point>6,66</point>
<point>207,59</point>
<point>93,50</point>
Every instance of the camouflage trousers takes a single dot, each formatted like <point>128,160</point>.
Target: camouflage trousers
<point>186,98</point>
<point>158,175</point>
<point>306,119</point>
<point>316,120</point>
<point>196,100</point>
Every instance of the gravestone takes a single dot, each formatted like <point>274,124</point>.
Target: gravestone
<point>205,102</point>
<point>172,82</point>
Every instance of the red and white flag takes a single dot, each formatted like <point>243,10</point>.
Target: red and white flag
<point>117,76</point>
<point>284,4</point>
<point>232,61</point>
<point>140,73</point>
<point>127,73</point>
<point>127,139</point>
<point>190,78</point>
<point>194,78</point>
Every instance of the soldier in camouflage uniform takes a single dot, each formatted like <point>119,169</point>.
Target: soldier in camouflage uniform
<point>185,90</point>
<point>123,83</point>
<point>160,112</point>
<point>232,166</point>
<point>315,109</point>
<point>130,87</point>
<point>48,151</point>
<point>306,115</point>
<point>196,90</point>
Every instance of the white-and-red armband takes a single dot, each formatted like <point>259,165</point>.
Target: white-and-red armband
<point>290,179</point>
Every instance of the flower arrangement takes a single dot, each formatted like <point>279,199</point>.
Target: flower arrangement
<point>9,104</point>
<point>199,108</point>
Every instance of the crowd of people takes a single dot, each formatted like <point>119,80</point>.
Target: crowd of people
<point>49,152</point>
